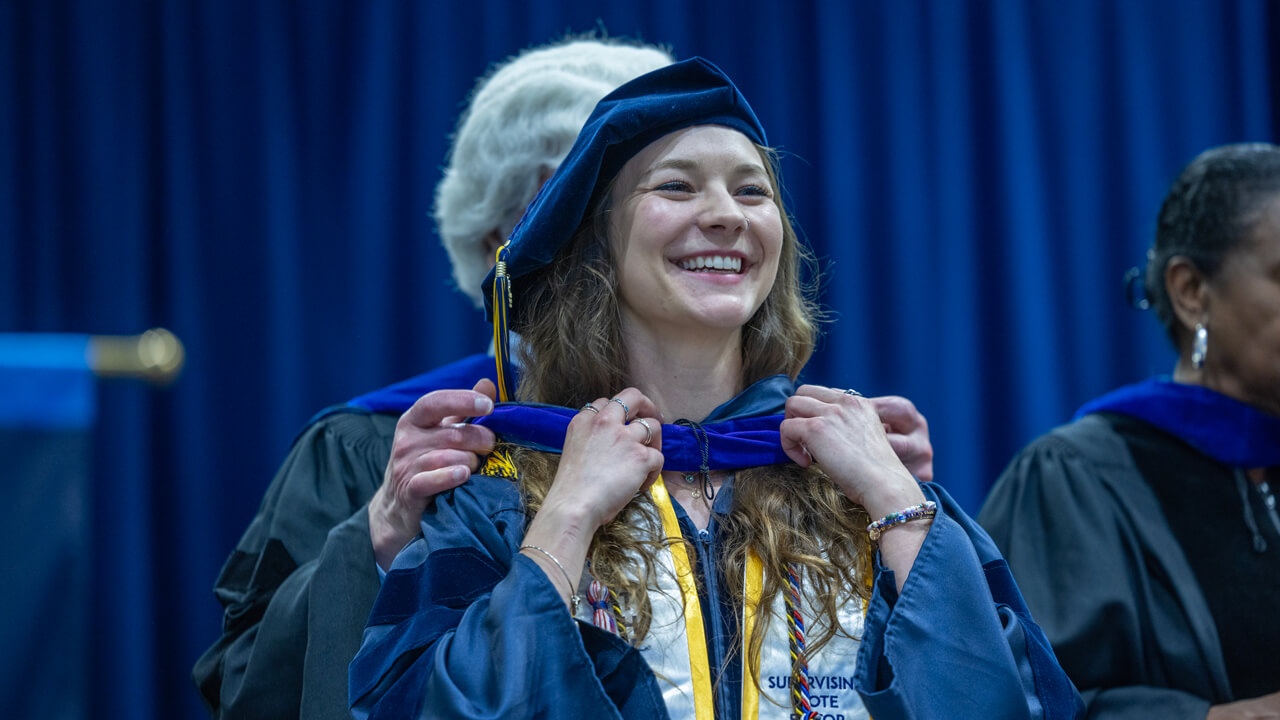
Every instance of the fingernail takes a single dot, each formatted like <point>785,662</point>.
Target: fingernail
<point>484,406</point>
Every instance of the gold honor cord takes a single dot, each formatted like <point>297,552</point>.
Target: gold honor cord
<point>695,634</point>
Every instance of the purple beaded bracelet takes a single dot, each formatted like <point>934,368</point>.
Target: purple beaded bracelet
<point>926,509</point>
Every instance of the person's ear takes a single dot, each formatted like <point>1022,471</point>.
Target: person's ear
<point>1188,292</point>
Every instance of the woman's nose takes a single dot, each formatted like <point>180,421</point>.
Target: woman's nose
<point>722,213</point>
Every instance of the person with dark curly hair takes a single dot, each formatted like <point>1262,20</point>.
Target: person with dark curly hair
<point>1145,533</point>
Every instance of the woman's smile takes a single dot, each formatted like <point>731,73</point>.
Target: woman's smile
<point>724,264</point>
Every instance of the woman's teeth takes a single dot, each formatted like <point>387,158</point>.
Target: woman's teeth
<point>713,263</point>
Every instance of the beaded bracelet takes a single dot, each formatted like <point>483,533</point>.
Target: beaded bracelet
<point>574,598</point>
<point>924,510</point>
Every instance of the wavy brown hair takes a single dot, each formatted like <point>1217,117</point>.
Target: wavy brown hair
<point>572,352</point>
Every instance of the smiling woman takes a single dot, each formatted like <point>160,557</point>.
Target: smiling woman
<point>662,464</point>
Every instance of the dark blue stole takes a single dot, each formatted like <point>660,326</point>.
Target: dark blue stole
<point>730,445</point>
<point>741,433</point>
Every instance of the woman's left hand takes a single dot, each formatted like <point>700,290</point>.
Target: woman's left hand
<point>843,433</point>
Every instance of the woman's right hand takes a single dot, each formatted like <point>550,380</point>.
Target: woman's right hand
<point>608,457</point>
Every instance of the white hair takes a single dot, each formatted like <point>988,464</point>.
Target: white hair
<point>523,118</point>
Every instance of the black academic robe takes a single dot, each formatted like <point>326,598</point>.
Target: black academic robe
<point>297,590</point>
<point>1103,571</point>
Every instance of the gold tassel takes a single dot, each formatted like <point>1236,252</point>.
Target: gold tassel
<point>501,306</point>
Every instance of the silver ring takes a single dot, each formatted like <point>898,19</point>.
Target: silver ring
<point>626,411</point>
<point>748,221</point>
<point>854,393</point>
<point>590,407</point>
<point>648,431</point>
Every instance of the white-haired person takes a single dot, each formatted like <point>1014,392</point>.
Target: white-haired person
<point>668,526</point>
<point>298,588</point>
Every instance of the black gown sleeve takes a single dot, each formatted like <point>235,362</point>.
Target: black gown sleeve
<point>1078,539</point>
<point>298,588</point>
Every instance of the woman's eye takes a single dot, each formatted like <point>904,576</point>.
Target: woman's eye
<point>754,190</point>
<point>675,186</point>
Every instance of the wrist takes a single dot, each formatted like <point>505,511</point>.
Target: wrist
<point>887,501</point>
<point>540,556</point>
<point>386,534</point>
<point>572,521</point>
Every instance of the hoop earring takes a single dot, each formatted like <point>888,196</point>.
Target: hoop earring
<point>1200,347</point>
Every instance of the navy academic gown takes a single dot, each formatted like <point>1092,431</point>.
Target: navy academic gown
<point>466,626</point>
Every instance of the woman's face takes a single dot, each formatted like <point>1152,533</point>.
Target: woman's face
<point>695,232</point>
<point>1244,317</point>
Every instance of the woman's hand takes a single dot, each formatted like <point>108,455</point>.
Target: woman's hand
<point>612,451</point>
<point>433,451</point>
<point>843,433</point>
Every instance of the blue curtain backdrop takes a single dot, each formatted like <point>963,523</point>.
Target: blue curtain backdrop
<point>257,175</point>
